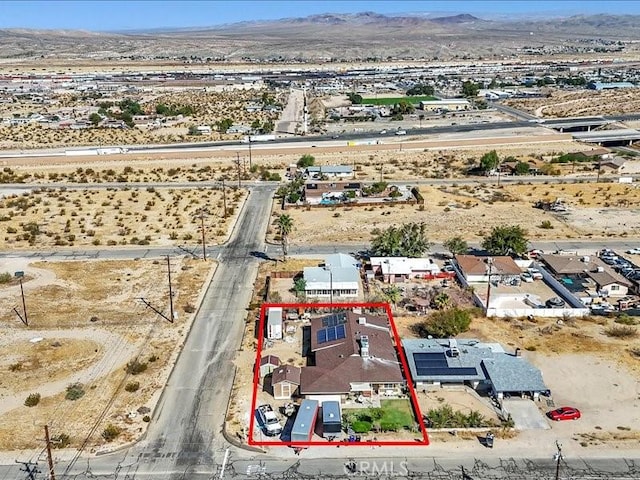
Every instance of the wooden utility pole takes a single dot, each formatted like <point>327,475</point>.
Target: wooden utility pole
<point>238,165</point>
<point>489,264</point>
<point>224,199</point>
<point>201,215</point>
<point>558,457</point>
<point>170,290</point>
<point>52,474</point>
<point>249,152</point>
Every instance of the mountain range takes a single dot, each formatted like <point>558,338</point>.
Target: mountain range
<point>327,36</point>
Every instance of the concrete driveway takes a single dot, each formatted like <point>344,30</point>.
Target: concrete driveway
<point>525,414</point>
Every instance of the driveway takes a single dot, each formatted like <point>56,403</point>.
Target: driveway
<point>525,414</point>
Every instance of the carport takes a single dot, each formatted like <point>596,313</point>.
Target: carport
<point>525,414</point>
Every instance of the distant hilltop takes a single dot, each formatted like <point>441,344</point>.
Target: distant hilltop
<point>338,37</point>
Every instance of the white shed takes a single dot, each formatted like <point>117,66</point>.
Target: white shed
<point>274,323</point>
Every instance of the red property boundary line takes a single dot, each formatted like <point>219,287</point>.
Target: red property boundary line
<point>424,441</point>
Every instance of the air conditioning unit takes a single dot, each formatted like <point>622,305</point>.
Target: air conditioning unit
<point>362,320</point>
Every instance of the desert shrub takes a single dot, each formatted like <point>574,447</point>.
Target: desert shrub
<point>132,386</point>
<point>146,419</point>
<point>546,225</point>
<point>32,400</point>
<point>111,432</point>
<point>135,367</point>
<point>617,331</point>
<point>74,391</point>
<point>625,319</point>
<point>5,277</point>
<point>15,367</point>
<point>189,308</point>
<point>361,426</point>
<point>153,358</point>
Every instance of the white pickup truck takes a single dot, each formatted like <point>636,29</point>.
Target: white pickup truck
<point>269,420</point>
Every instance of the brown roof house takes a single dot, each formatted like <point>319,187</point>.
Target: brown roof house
<point>285,381</point>
<point>476,269</point>
<point>352,355</point>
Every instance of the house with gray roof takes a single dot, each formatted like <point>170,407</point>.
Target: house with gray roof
<point>329,171</point>
<point>482,366</point>
<point>339,277</point>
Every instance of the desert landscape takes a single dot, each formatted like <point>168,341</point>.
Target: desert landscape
<point>97,361</point>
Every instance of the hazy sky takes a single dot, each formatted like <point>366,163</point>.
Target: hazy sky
<point>110,15</point>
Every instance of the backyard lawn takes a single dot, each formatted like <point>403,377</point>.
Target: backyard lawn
<point>392,415</point>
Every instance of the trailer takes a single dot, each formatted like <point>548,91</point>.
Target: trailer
<point>305,422</point>
<point>258,138</point>
<point>331,420</point>
<point>274,323</point>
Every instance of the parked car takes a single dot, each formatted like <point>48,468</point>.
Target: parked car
<point>383,132</point>
<point>555,302</point>
<point>535,253</point>
<point>564,413</point>
<point>401,132</point>
<point>634,251</point>
<point>526,277</point>
<point>269,420</point>
<point>535,273</point>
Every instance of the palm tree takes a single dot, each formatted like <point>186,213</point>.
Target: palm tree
<point>285,227</point>
<point>393,295</point>
<point>442,301</point>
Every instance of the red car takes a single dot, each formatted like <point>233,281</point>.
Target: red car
<point>564,413</point>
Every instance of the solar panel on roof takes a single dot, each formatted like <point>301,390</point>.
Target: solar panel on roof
<point>331,334</point>
<point>334,319</point>
<point>322,336</point>
<point>341,332</point>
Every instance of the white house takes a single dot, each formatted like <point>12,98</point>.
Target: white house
<point>339,277</point>
<point>453,105</point>
<point>274,323</point>
<point>399,269</point>
<point>203,130</point>
<point>476,269</point>
<point>609,284</point>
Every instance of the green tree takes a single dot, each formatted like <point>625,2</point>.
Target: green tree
<point>420,89</point>
<point>299,286</point>
<point>522,168</point>
<point>354,98</point>
<point>506,240</point>
<point>456,245</point>
<point>470,89</point>
<point>489,161</point>
<point>256,124</point>
<point>268,127</point>
<point>402,107</point>
<point>95,119</point>
<point>306,161</point>
<point>407,240</point>
<point>224,125</point>
<point>445,323</point>
<point>284,223</point>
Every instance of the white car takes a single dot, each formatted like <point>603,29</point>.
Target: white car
<point>634,251</point>
<point>535,273</point>
<point>401,132</point>
<point>382,132</point>
<point>526,277</point>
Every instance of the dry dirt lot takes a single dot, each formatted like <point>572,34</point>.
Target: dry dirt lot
<point>85,323</point>
<point>152,216</point>
<point>595,211</point>
<point>574,103</point>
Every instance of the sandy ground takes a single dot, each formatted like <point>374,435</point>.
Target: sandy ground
<point>97,322</point>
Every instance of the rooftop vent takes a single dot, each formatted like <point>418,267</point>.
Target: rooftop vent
<point>362,320</point>
<point>364,346</point>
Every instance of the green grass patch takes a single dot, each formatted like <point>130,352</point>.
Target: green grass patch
<point>392,415</point>
<point>394,100</point>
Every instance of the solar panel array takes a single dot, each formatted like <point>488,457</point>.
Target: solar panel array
<point>435,365</point>
<point>330,334</point>
<point>334,319</point>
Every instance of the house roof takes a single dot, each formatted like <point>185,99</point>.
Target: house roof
<point>269,360</point>
<point>475,361</point>
<point>338,363</point>
<point>475,265</point>
<point>605,278</point>
<point>330,169</point>
<point>403,265</point>
<point>274,316</point>
<point>572,264</point>
<point>320,278</point>
<point>341,260</point>
<point>286,373</point>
